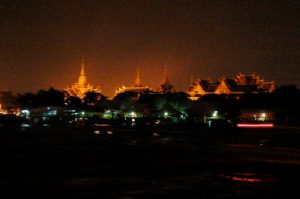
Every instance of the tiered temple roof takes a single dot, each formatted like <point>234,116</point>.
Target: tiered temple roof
<point>137,86</point>
<point>240,84</point>
<point>81,87</point>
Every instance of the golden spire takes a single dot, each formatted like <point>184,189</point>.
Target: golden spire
<point>137,80</point>
<point>166,86</point>
<point>192,79</point>
<point>165,78</point>
<point>82,72</point>
<point>82,77</point>
<point>81,87</point>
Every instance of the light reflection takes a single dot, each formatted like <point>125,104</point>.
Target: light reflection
<point>249,177</point>
<point>250,125</point>
<point>155,134</point>
<point>246,179</point>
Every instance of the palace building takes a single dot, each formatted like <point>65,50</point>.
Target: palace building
<point>239,85</point>
<point>81,87</point>
<point>137,87</point>
<point>199,88</point>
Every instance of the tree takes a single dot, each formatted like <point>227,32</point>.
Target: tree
<point>92,98</point>
<point>73,101</point>
<point>27,100</point>
<point>178,101</point>
<point>51,97</point>
<point>8,100</point>
<point>126,96</point>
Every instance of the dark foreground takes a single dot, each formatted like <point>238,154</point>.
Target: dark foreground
<point>128,163</point>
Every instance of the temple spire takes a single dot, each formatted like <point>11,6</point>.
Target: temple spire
<point>165,78</point>
<point>82,77</point>
<point>166,86</point>
<point>82,72</point>
<point>192,78</point>
<point>81,87</point>
<point>137,79</point>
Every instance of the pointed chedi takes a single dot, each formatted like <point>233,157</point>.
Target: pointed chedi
<point>166,86</point>
<point>137,86</point>
<point>81,87</point>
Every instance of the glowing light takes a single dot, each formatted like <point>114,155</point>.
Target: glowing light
<point>166,114</point>
<point>249,125</point>
<point>25,125</point>
<point>133,114</point>
<point>209,123</point>
<point>25,112</point>
<point>155,134</point>
<point>215,114</point>
<point>246,179</point>
<point>263,115</point>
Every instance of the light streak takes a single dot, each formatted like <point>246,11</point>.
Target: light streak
<point>251,125</point>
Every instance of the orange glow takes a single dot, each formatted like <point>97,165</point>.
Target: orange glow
<point>250,125</point>
<point>246,179</point>
<point>137,87</point>
<point>81,87</point>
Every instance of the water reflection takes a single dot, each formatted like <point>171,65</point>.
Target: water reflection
<point>97,132</point>
<point>249,177</point>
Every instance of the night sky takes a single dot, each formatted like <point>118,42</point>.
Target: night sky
<point>42,42</point>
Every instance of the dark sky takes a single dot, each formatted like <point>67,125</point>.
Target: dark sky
<point>42,42</point>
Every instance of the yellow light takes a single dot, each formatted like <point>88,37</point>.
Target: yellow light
<point>133,114</point>
<point>215,114</point>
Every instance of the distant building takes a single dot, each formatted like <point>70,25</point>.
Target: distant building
<point>14,110</point>
<point>2,111</point>
<point>137,87</point>
<point>199,88</point>
<point>81,87</point>
<point>166,86</point>
<point>239,85</point>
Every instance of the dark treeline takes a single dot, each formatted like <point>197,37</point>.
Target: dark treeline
<point>50,97</point>
<point>285,101</point>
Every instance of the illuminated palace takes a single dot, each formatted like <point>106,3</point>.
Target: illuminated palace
<point>164,87</point>
<point>240,84</point>
<point>137,86</point>
<point>81,87</point>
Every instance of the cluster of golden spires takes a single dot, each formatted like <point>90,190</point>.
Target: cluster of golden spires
<point>241,83</point>
<point>81,87</point>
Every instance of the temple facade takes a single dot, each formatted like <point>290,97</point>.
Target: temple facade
<point>81,87</point>
<point>199,88</point>
<point>241,84</point>
<point>137,87</point>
